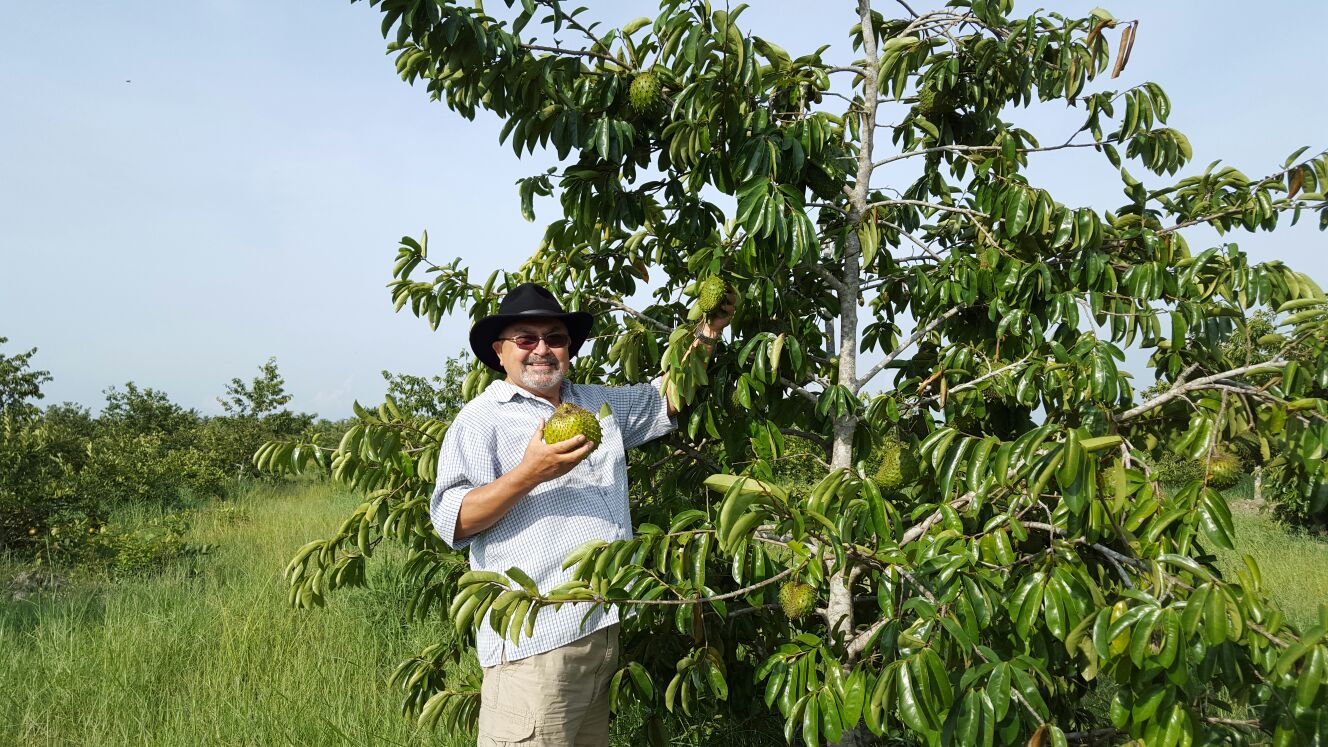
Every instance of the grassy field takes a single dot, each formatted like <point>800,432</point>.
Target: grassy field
<point>209,653</point>
<point>1294,566</point>
<point>213,655</point>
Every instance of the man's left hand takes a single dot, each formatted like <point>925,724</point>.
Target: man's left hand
<point>721,317</point>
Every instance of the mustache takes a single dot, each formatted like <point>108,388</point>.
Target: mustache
<point>551,360</point>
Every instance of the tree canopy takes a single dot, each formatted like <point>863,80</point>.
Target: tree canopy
<point>1029,562</point>
<point>264,395</point>
<point>19,381</point>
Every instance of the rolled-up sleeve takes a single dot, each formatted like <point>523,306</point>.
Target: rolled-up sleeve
<point>464,463</point>
<point>641,412</point>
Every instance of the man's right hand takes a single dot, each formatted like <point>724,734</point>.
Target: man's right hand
<point>543,461</point>
<point>483,506</point>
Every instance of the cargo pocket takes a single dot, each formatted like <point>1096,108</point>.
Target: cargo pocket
<point>499,727</point>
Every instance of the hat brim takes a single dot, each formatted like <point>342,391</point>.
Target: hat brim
<point>486,330</point>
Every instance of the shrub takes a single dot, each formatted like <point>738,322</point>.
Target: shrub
<point>1288,500</point>
<point>802,464</point>
<point>35,465</point>
<point>120,547</point>
<point>124,468</point>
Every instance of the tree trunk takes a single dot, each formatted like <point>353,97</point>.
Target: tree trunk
<point>839,610</point>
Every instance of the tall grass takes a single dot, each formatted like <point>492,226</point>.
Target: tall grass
<point>1294,565</point>
<point>209,653</point>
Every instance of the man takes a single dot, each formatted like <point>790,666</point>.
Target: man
<point>517,501</point>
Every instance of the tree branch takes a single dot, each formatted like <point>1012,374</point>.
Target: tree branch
<point>572,52</point>
<point>980,379</point>
<point>971,213</point>
<point>829,277</point>
<point>979,149</point>
<point>1145,567</point>
<point>845,69</point>
<point>916,241</point>
<point>620,306</point>
<point>796,389</point>
<point>689,600</point>
<point>1203,382</point>
<point>856,386</point>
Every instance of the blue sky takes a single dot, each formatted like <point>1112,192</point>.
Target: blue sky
<point>189,188</point>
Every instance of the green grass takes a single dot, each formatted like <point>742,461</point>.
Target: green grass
<point>1294,566</point>
<point>208,652</point>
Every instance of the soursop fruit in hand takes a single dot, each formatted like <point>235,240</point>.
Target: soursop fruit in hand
<point>569,420</point>
<point>711,294</point>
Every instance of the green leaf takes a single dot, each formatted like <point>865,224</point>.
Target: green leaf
<point>999,690</point>
<point>519,576</point>
<point>909,707</point>
<point>1215,518</point>
<point>832,721</point>
<point>811,721</point>
<point>1017,211</point>
<point>855,697</point>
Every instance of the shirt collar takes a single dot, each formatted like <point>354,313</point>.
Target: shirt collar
<point>505,392</point>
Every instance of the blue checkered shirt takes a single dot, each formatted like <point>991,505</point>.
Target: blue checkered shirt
<point>487,439</point>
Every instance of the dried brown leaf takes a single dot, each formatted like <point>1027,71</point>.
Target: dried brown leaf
<point>1297,181</point>
<point>1105,23</point>
<point>927,383</point>
<point>1123,54</point>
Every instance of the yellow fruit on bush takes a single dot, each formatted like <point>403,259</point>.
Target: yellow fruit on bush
<point>899,465</point>
<point>645,94</point>
<point>797,599</point>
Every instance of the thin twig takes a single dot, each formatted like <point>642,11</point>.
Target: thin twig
<point>856,386</point>
<point>572,52</point>
<point>620,306</point>
<point>1204,382</point>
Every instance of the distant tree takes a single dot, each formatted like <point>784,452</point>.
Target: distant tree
<point>146,411</point>
<point>19,382</point>
<point>435,396</point>
<point>264,395</point>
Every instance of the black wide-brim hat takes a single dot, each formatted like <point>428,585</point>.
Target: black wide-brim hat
<point>526,301</point>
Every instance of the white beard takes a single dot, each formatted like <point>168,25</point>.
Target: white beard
<point>543,379</point>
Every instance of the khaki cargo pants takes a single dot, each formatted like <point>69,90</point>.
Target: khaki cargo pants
<point>556,699</point>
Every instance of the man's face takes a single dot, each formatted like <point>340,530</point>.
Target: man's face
<point>541,368</point>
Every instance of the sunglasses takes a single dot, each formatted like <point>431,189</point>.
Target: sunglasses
<point>529,342</point>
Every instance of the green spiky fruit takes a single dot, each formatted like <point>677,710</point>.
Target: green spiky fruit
<point>927,99</point>
<point>899,465</point>
<point>645,94</point>
<point>711,292</point>
<point>569,420</point>
<point>1224,470</point>
<point>1096,420</point>
<point>797,599</point>
<point>822,183</point>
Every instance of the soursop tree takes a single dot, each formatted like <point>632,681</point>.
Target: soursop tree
<point>902,280</point>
